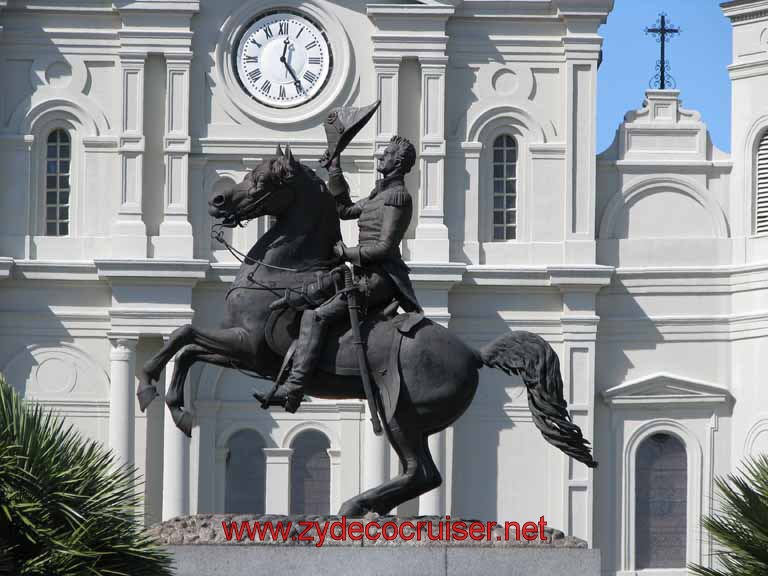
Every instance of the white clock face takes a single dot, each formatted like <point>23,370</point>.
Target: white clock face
<point>283,59</point>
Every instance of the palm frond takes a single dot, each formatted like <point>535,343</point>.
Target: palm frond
<point>67,506</point>
<point>740,527</point>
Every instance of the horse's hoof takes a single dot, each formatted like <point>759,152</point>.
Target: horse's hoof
<point>183,421</point>
<point>146,393</point>
<point>353,509</point>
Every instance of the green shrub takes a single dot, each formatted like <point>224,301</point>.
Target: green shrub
<point>66,506</point>
<point>740,527</point>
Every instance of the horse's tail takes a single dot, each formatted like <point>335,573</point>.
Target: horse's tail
<point>534,360</point>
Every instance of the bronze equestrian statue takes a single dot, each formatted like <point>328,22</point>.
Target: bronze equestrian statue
<point>287,318</point>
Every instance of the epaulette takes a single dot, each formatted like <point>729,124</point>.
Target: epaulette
<point>397,196</point>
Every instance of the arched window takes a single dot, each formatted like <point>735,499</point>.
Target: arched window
<point>661,503</point>
<point>504,188</point>
<point>246,474</point>
<point>761,186</point>
<point>310,474</point>
<point>57,164</point>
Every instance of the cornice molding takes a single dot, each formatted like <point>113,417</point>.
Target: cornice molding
<point>152,270</point>
<point>744,10</point>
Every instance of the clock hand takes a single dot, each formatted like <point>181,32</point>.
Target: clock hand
<point>285,49</point>
<point>296,81</point>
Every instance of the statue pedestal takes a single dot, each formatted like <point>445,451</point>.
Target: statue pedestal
<point>201,548</point>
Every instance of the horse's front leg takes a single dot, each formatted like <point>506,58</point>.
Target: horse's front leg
<point>174,397</point>
<point>227,342</point>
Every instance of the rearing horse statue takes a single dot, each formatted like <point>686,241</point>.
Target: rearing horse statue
<point>425,375</point>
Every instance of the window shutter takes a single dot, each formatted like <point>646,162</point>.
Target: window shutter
<point>761,194</point>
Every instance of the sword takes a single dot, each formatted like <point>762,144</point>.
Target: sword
<point>350,287</point>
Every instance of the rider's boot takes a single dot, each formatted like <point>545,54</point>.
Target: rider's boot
<point>308,351</point>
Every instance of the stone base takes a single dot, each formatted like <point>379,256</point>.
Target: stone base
<point>384,561</point>
<point>201,548</point>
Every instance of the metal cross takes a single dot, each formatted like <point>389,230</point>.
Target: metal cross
<point>663,30</point>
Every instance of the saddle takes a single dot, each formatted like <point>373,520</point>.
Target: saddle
<point>381,331</point>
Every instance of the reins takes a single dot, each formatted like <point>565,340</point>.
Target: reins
<point>217,233</point>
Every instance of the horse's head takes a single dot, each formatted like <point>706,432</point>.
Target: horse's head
<point>270,188</point>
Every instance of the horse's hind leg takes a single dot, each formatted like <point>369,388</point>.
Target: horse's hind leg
<point>174,398</point>
<point>227,342</point>
<point>419,474</point>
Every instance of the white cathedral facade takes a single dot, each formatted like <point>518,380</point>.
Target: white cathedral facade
<point>645,265</point>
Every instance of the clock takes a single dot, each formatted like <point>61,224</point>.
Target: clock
<point>283,59</point>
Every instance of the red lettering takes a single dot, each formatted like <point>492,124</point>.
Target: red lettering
<point>368,531</point>
<point>410,534</point>
<point>476,531</point>
<point>460,530</point>
<point>530,531</point>
<point>490,526</point>
<point>542,524</point>
<point>355,531</point>
<point>507,526</point>
<point>389,534</point>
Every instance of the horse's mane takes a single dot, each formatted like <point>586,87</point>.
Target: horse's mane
<point>284,171</point>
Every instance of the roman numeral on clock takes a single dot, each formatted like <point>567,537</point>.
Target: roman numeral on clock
<point>282,91</point>
<point>253,41</point>
<point>254,75</point>
<point>253,59</point>
<point>268,32</point>
<point>310,77</point>
<point>311,45</point>
<point>266,86</point>
<point>283,31</point>
<point>315,60</point>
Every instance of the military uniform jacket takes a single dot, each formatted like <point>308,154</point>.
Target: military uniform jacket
<point>383,218</point>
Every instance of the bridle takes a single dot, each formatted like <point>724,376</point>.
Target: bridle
<point>232,220</point>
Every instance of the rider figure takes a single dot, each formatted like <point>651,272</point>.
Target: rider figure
<point>383,218</point>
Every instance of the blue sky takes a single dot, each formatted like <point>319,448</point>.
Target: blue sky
<point>699,58</point>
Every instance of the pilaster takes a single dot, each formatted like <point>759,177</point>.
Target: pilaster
<point>387,72</point>
<point>472,152</point>
<point>582,46</point>
<point>431,243</point>
<point>417,31</point>
<point>175,239</point>
<point>278,492</point>
<point>579,322</point>
<point>128,231</point>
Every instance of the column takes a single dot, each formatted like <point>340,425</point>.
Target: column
<point>175,240</point>
<point>433,502</point>
<point>122,360</point>
<point>375,456</point>
<point>129,234</point>
<point>278,493</point>
<point>431,243</point>
<point>175,462</point>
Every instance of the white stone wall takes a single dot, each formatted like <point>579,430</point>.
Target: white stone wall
<point>638,265</point>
